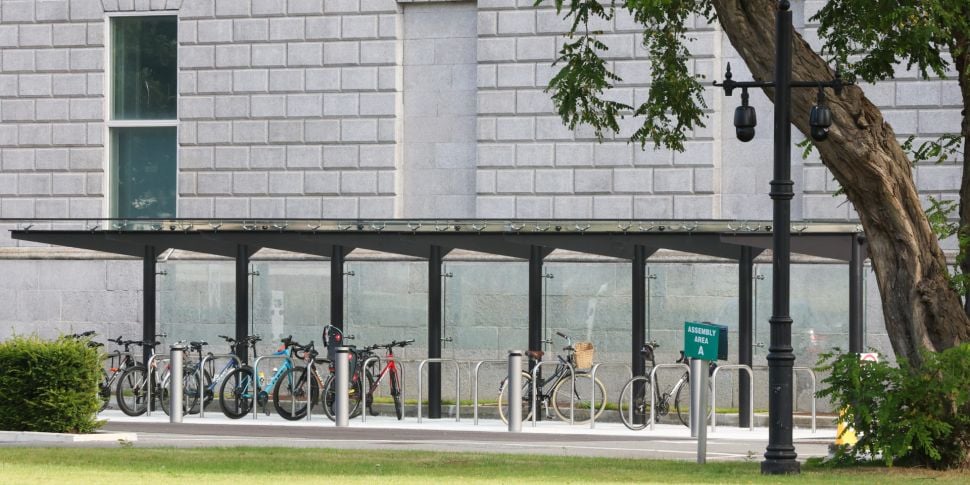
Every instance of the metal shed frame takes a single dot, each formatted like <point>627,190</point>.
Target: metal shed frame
<point>432,239</point>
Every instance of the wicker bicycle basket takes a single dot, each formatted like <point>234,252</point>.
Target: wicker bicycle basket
<point>584,355</point>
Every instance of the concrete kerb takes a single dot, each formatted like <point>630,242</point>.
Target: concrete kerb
<point>38,437</point>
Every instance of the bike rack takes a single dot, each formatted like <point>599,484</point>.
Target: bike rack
<point>535,393</point>
<point>210,357</point>
<point>475,374</point>
<point>714,394</point>
<point>256,388</point>
<point>457,384</point>
<point>152,362</point>
<point>363,373</point>
<point>653,388</point>
<point>592,377</point>
<point>795,370</point>
<point>811,373</point>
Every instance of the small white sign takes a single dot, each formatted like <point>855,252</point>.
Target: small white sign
<point>869,357</point>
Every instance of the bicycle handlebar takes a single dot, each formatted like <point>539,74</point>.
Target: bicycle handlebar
<point>562,335</point>
<point>395,343</point>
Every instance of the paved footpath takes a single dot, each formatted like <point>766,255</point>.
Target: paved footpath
<point>491,436</point>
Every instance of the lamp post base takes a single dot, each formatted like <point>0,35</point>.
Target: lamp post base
<point>780,467</point>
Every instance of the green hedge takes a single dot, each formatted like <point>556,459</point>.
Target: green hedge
<point>49,386</point>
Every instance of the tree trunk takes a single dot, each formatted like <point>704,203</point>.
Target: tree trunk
<point>921,309</point>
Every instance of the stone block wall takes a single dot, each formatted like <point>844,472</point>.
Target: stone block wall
<point>380,108</point>
<point>288,109</point>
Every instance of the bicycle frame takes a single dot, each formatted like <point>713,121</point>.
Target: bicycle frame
<point>286,354</point>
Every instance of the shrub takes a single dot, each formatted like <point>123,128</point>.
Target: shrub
<point>49,386</point>
<point>903,415</point>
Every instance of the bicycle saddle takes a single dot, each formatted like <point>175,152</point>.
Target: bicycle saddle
<point>535,354</point>
<point>198,345</point>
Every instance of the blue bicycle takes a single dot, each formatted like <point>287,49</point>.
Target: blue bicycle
<point>239,387</point>
<point>210,379</point>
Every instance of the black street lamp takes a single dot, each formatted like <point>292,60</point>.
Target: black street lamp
<point>780,453</point>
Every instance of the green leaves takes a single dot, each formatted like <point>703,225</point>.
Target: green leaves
<point>49,386</point>
<point>579,86</point>
<point>581,90</point>
<point>903,414</point>
<point>869,38</point>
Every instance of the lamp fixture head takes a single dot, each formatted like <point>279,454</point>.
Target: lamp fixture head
<point>820,118</point>
<point>745,119</point>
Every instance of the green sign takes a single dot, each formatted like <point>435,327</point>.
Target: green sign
<point>701,340</point>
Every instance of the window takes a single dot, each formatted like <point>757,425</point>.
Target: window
<point>143,116</point>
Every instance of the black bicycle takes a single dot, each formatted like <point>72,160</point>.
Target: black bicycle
<point>557,389</point>
<point>634,401</point>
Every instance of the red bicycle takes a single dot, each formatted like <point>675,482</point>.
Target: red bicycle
<point>388,369</point>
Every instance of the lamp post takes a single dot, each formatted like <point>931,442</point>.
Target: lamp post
<point>780,453</point>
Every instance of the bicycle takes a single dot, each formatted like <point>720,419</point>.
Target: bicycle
<point>132,389</point>
<point>557,389</point>
<point>636,415</point>
<point>208,375</point>
<point>291,387</point>
<point>389,370</point>
<point>119,363</point>
<point>237,391</point>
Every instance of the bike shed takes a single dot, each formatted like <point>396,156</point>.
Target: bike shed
<point>432,240</point>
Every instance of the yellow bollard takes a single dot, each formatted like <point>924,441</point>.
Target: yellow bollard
<point>845,435</point>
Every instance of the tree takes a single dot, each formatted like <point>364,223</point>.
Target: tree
<point>922,307</point>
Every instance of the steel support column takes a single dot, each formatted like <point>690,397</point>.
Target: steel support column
<point>745,332</point>
<point>149,294</point>
<point>780,456</point>
<point>856,319</point>
<point>242,301</point>
<point>434,332</point>
<point>535,300</point>
<point>639,330</point>
<point>337,287</point>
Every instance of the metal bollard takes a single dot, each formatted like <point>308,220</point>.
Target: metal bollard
<point>342,401</point>
<point>696,417</point>
<point>702,417</point>
<point>175,384</point>
<point>514,384</point>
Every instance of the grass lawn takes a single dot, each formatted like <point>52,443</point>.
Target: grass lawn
<point>290,465</point>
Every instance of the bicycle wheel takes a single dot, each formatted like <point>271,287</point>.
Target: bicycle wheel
<point>132,391</point>
<point>353,398</point>
<point>682,403</point>
<point>634,403</point>
<point>104,390</point>
<point>190,391</point>
<point>289,393</point>
<point>582,403</point>
<point>236,393</point>
<point>192,378</point>
<point>526,399</point>
<point>396,394</point>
